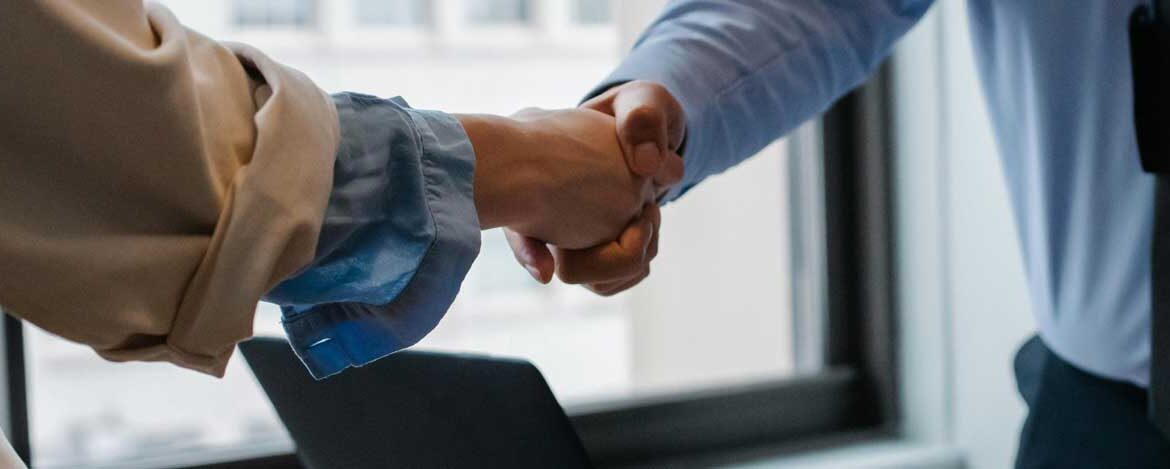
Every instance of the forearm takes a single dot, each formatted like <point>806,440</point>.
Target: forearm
<point>411,191</point>
<point>501,146</point>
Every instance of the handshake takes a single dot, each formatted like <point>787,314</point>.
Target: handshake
<point>576,190</point>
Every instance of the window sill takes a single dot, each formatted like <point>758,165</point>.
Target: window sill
<point>882,454</point>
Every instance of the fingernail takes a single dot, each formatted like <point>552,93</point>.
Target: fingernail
<point>646,156</point>
<point>534,273</point>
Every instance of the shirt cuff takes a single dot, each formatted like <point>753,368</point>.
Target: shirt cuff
<point>400,234</point>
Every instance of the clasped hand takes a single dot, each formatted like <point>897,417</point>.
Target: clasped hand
<point>576,190</point>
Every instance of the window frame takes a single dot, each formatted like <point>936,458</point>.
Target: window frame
<point>16,426</point>
<point>854,395</point>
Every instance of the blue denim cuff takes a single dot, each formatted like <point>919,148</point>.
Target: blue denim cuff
<point>400,234</point>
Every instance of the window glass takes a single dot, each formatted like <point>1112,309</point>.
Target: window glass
<point>717,311</point>
<point>592,12</point>
<point>273,13</point>
<point>393,12</point>
<point>86,412</point>
<point>489,12</point>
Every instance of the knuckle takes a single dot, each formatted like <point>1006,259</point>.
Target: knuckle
<point>637,263</point>
<point>624,268</point>
<point>631,202</point>
<point>660,93</point>
<point>569,275</point>
<point>599,289</point>
<point>644,119</point>
<point>652,86</point>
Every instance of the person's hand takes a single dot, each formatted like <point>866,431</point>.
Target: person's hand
<point>555,176</point>
<point>650,127</point>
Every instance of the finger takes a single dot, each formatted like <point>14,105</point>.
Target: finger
<point>604,101</point>
<point>652,213</point>
<point>641,128</point>
<point>652,249</point>
<point>602,288</point>
<point>650,123</point>
<point>670,172</point>
<point>614,288</point>
<point>619,259</point>
<point>646,93</point>
<point>533,254</point>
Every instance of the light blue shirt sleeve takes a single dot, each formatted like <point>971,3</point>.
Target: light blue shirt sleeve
<point>748,71</point>
<point>400,233</point>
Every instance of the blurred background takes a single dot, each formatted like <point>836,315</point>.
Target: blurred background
<point>739,292</point>
<point>708,317</point>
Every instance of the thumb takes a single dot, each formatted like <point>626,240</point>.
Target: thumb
<point>650,123</point>
<point>533,254</point>
<point>641,128</point>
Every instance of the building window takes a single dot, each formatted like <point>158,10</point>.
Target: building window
<point>592,12</point>
<point>734,326</point>
<point>499,12</point>
<point>274,13</point>
<point>393,12</point>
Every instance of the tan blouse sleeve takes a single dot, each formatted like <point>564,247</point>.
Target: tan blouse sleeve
<point>153,182</point>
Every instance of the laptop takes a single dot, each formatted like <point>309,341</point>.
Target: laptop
<point>418,409</point>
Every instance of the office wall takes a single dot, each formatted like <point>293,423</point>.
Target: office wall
<point>958,249</point>
<point>991,308</point>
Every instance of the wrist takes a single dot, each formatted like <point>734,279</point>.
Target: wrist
<point>504,183</point>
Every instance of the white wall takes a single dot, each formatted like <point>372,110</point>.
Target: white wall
<point>956,224</point>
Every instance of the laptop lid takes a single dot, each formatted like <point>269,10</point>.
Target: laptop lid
<point>418,409</point>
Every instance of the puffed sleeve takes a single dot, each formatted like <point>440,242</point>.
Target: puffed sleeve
<point>154,183</point>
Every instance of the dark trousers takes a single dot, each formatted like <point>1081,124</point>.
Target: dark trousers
<point>1077,420</point>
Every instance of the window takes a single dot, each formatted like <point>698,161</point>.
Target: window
<point>591,12</point>
<point>273,13</point>
<point>733,319</point>
<point>87,412</point>
<point>493,12</point>
<point>393,12</point>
